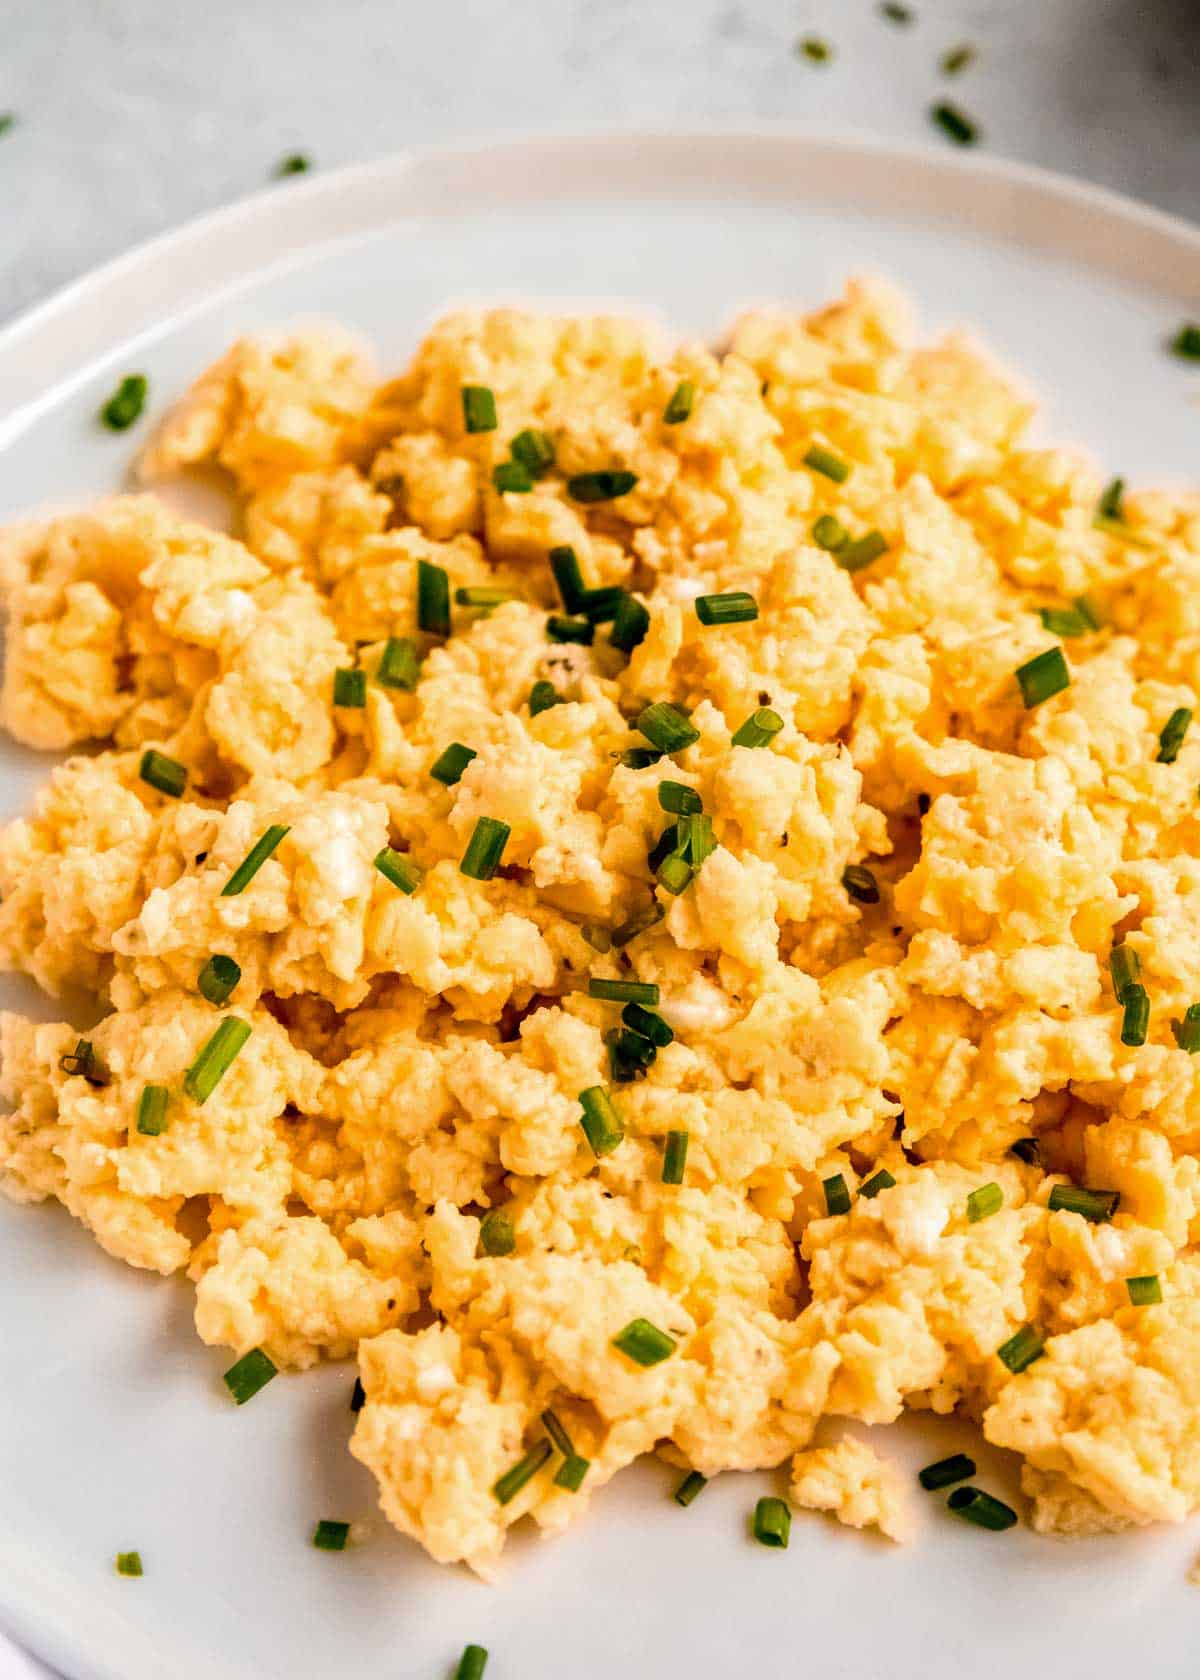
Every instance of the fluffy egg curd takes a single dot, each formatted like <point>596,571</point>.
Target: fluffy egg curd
<point>650,896</point>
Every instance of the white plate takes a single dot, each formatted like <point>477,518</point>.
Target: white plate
<point>114,1429</point>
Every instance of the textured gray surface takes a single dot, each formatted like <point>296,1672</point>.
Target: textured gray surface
<point>133,115</point>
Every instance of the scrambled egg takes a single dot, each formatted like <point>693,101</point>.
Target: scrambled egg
<point>884,948</point>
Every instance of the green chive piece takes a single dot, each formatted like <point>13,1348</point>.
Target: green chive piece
<point>1027,1149</point>
<point>600,486</point>
<point>508,1486</point>
<point>772,1524</point>
<point>1144,1291</point>
<point>1043,675</point>
<point>1135,1019</point>
<point>1021,1350</point>
<point>216,1058</point>
<point>129,1563</point>
<point>1186,342</point>
<point>734,607</point>
<point>553,1426</point>
<point>349,687</point>
<point>560,629</point>
<point>433,599</point>
<point>1118,529</point>
<point>218,978</point>
<point>639,922</point>
<point>400,870</point>
<point>982,1203</point>
<point>681,403</point>
<point>674,1157</point>
<point>854,556</point>
<point>666,728</point>
<point>1096,1206</point>
<point>296,163</point>
<point>1173,732</point>
<point>485,848</point>
<point>955,123</point>
<point>824,461</point>
<point>600,1121</point>
<point>450,763</point>
<point>1112,500</point>
<point>165,774</point>
<point>644,1342</point>
<point>957,1468</point>
<point>980,1508</point>
<point>254,860</point>
<point>679,799</point>
<point>837,1196</point>
<point>639,758</point>
<point>571,1472</point>
<point>253,1371</point>
<point>895,12</point>
<point>1087,610</point>
<point>331,1536</point>
<point>692,1485</point>
<point>1125,966</point>
<point>814,49</point>
<point>497,1235</point>
<point>630,1056</point>
<point>599,938</point>
<point>696,838</point>
<point>7,120</point>
<point>957,59</point>
<point>1187,1031</point>
<point>472,1663</point>
<point>564,563</point>
<point>759,729</point>
<point>358,1396</point>
<point>882,1180</point>
<point>399,665</point>
<point>1065,621</point>
<point>152,1111</point>
<point>674,873</point>
<point>482,595</point>
<point>830,534</point>
<point>649,1024</point>
<point>82,1061</point>
<point>126,403</point>
<point>860,884</point>
<point>542,696</point>
<point>600,606</point>
<point>630,625</point>
<point>478,408</point>
<point>623,991</point>
<point>512,477</point>
<point>533,450</point>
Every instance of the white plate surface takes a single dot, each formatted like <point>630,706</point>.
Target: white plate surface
<point>114,1429</point>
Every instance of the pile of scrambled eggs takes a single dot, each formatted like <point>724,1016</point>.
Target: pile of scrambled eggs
<point>859,885</point>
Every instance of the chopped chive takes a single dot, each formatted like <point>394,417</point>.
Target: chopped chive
<point>472,1663</point>
<point>215,1059</point>
<point>1187,1031</point>
<point>126,403</point>
<point>648,1023</point>
<point>165,774</point>
<point>1125,966</point>
<point>564,563</point>
<point>623,991</point>
<point>982,1203</point>
<point>482,595</point>
<point>696,838</point>
<point>1065,621</point>
<point>977,1507</point>
<point>825,462</point>
<point>561,629</point>
<point>1043,675</point>
<point>674,1157</point>
<point>542,696</point>
<point>400,870</point>
<point>1112,500</point>
<point>450,763</point>
<point>1135,1018</point>
<point>254,860</point>
<point>674,873</point>
<point>599,938</point>
<point>600,606</point>
<point>862,552</point>
<point>433,599</point>
<point>772,1523</point>
<point>509,1485</point>
<point>630,1056</point>
<point>571,1472</point>
<point>129,1563</point>
<point>399,665</point>
<point>666,728</point>
<point>736,606</point>
<point>1186,342</point>
<point>485,848</point>
<point>639,922</point>
<point>82,1062</point>
<point>1120,531</point>
<point>152,1111</point>
<point>1173,732</point>
<point>946,1472</point>
<point>679,799</point>
<point>830,534</point>
<point>681,402</point>
<point>600,486</point>
<point>692,1485</point>
<point>957,59</point>
<point>552,1424</point>
<point>512,477</point>
<point>837,1196</point>
<point>667,842</point>
<point>358,1396</point>
<point>349,687</point>
<point>644,1342</point>
<point>331,1536</point>
<point>218,978</point>
<point>497,1235</point>
<point>629,625</point>
<point>478,408</point>
<point>1096,1206</point>
<point>1144,1291</point>
<point>895,12</point>
<point>860,884</point>
<point>882,1180</point>
<point>296,163</point>
<point>1021,1350</point>
<point>252,1371</point>
<point>1027,1149</point>
<point>639,758</point>
<point>814,48</point>
<point>533,450</point>
<point>955,123</point>
<point>759,729</point>
<point>600,1121</point>
<point>1087,610</point>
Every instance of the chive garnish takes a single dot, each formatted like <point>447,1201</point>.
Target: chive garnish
<point>82,1061</point>
<point>564,563</point>
<point>630,624</point>
<point>216,1058</point>
<point>772,1523</point>
<point>600,606</point>
<point>644,1342</point>
<point>509,1485</point>
<point>895,12</point>
<point>980,1508</point>
<point>814,48</point>
<point>882,1180</point>
<point>218,978</point>
<point>982,1203</point>
<point>599,938</point>
<point>1187,1031</point>
<point>1043,675</point>
<point>759,729</point>
<point>674,1157</point>
<point>679,799</point>
<point>1021,1350</point>
<point>7,119</point>
<point>296,163</point>
<point>542,696</point>
<point>679,407</point>
<point>433,599</point>
<point>126,403</point>
<point>152,1111</point>
<point>450,763</point>
<point>1125,966</point>
<point>946,1472</point>
<point>1027,1149</point>
<point>472,1663</point>
<point>837,1196</point>
<point>649,1023</point>
<point>955,123</point>
<point>630,1056</point>
<point>674,873</point>
<point>254,860</point>
<point>689,1488</point>
<point>623,991</point>
<point>399,665</point>
<point>957,59</point>
<point>358,1396</point>
<point>512,477</point>
<point>1186,342</point>
<point>824,461</point>
<point>485,848</point>
<point>1144,1291</point>
<point>252,1371</point>
<point>129,1563</point>
<point>736,606</point>
<point>666,728</point>
<point>482,595</point>
<point>639,758</point>
<point>552,1424</point>
<point>1066,621</point>
<point>1096,1206</point>
<point>860,884</point>
<point>600,486</point>
<point>1173,732</point>
<point>331,1536</point>
<point>830,534</point>
<point>400,870</point>
<point>1135,1019</point>
<point>533,450</point>
<point>349,687</point>
<point>571,1472</point>
<point>600,1121</point>
<point>478,408</point>
<point>562,629</point>
<point>1112,500</point>
<point>165,774</point>
<point>639,922</point>
<point>862,552</point>
<point>497,1236</point>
